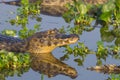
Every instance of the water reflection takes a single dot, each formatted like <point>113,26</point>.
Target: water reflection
<point>45,64</point>
<point>47,7</point>
<point>4,73</point>
<point>106,69</point>
<point>48,65</point>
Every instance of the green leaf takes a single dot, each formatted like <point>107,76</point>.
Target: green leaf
<point>118,17</point>
<point>108,7</point>
<point>106,16</point>
<point>15,58</point>
<point>24,2</point>
<point>83,9</point>
<point>118,3</point>
<point>9,32</point>
<point>100,43</point>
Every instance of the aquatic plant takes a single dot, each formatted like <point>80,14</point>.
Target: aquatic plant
<point>26,11</point>
<point>10,60</point>
<point>80,51</point>
<point>114,77</point>
<point>9,32</point>
<point>13,64</point>
<point>78,12</point>
<point>5,72</point>
<point>83,14</point>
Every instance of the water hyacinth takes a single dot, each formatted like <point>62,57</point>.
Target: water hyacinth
<point>80,51</point>
<point>12,60</point>
<point>84,14</point>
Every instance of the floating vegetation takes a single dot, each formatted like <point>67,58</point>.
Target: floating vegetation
<point>11,72</point>
<point>10,60</point>
<point>114,77</point>
<point>79,29</point>
<point>26,11</point>
<point>9,32</point>
<point>80,51</point>
<point>83,14</point>
<point>13,64</point>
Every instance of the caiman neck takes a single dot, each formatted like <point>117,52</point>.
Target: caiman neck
<point>12,44</point>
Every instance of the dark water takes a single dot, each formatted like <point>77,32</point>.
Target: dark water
<point>49,22</point>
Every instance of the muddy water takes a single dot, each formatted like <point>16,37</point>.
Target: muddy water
<point>49,22</point>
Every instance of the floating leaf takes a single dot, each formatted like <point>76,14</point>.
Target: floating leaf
<point>83,9</point>
<point>106,16</point>
<point>15,58</point>
<point>9,32</point>
<point>118,3</point>
<point>100,43</point>
<point>108,7</point>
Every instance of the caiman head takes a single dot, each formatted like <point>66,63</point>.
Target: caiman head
<point>46,41</point>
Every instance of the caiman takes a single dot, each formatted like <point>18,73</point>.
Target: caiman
<point>39,45</point>
<point>40,42</point>
<point>107,68</point>
<point>54,7</point>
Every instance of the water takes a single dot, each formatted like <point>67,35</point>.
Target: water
<point>50,22</point>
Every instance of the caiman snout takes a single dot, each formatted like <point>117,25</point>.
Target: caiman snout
<point>64,39</point>
<point>73,38</point>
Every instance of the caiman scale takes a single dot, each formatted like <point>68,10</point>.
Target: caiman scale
<point>40,42</point>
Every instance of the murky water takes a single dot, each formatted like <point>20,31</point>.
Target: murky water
<point>49,22</point>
